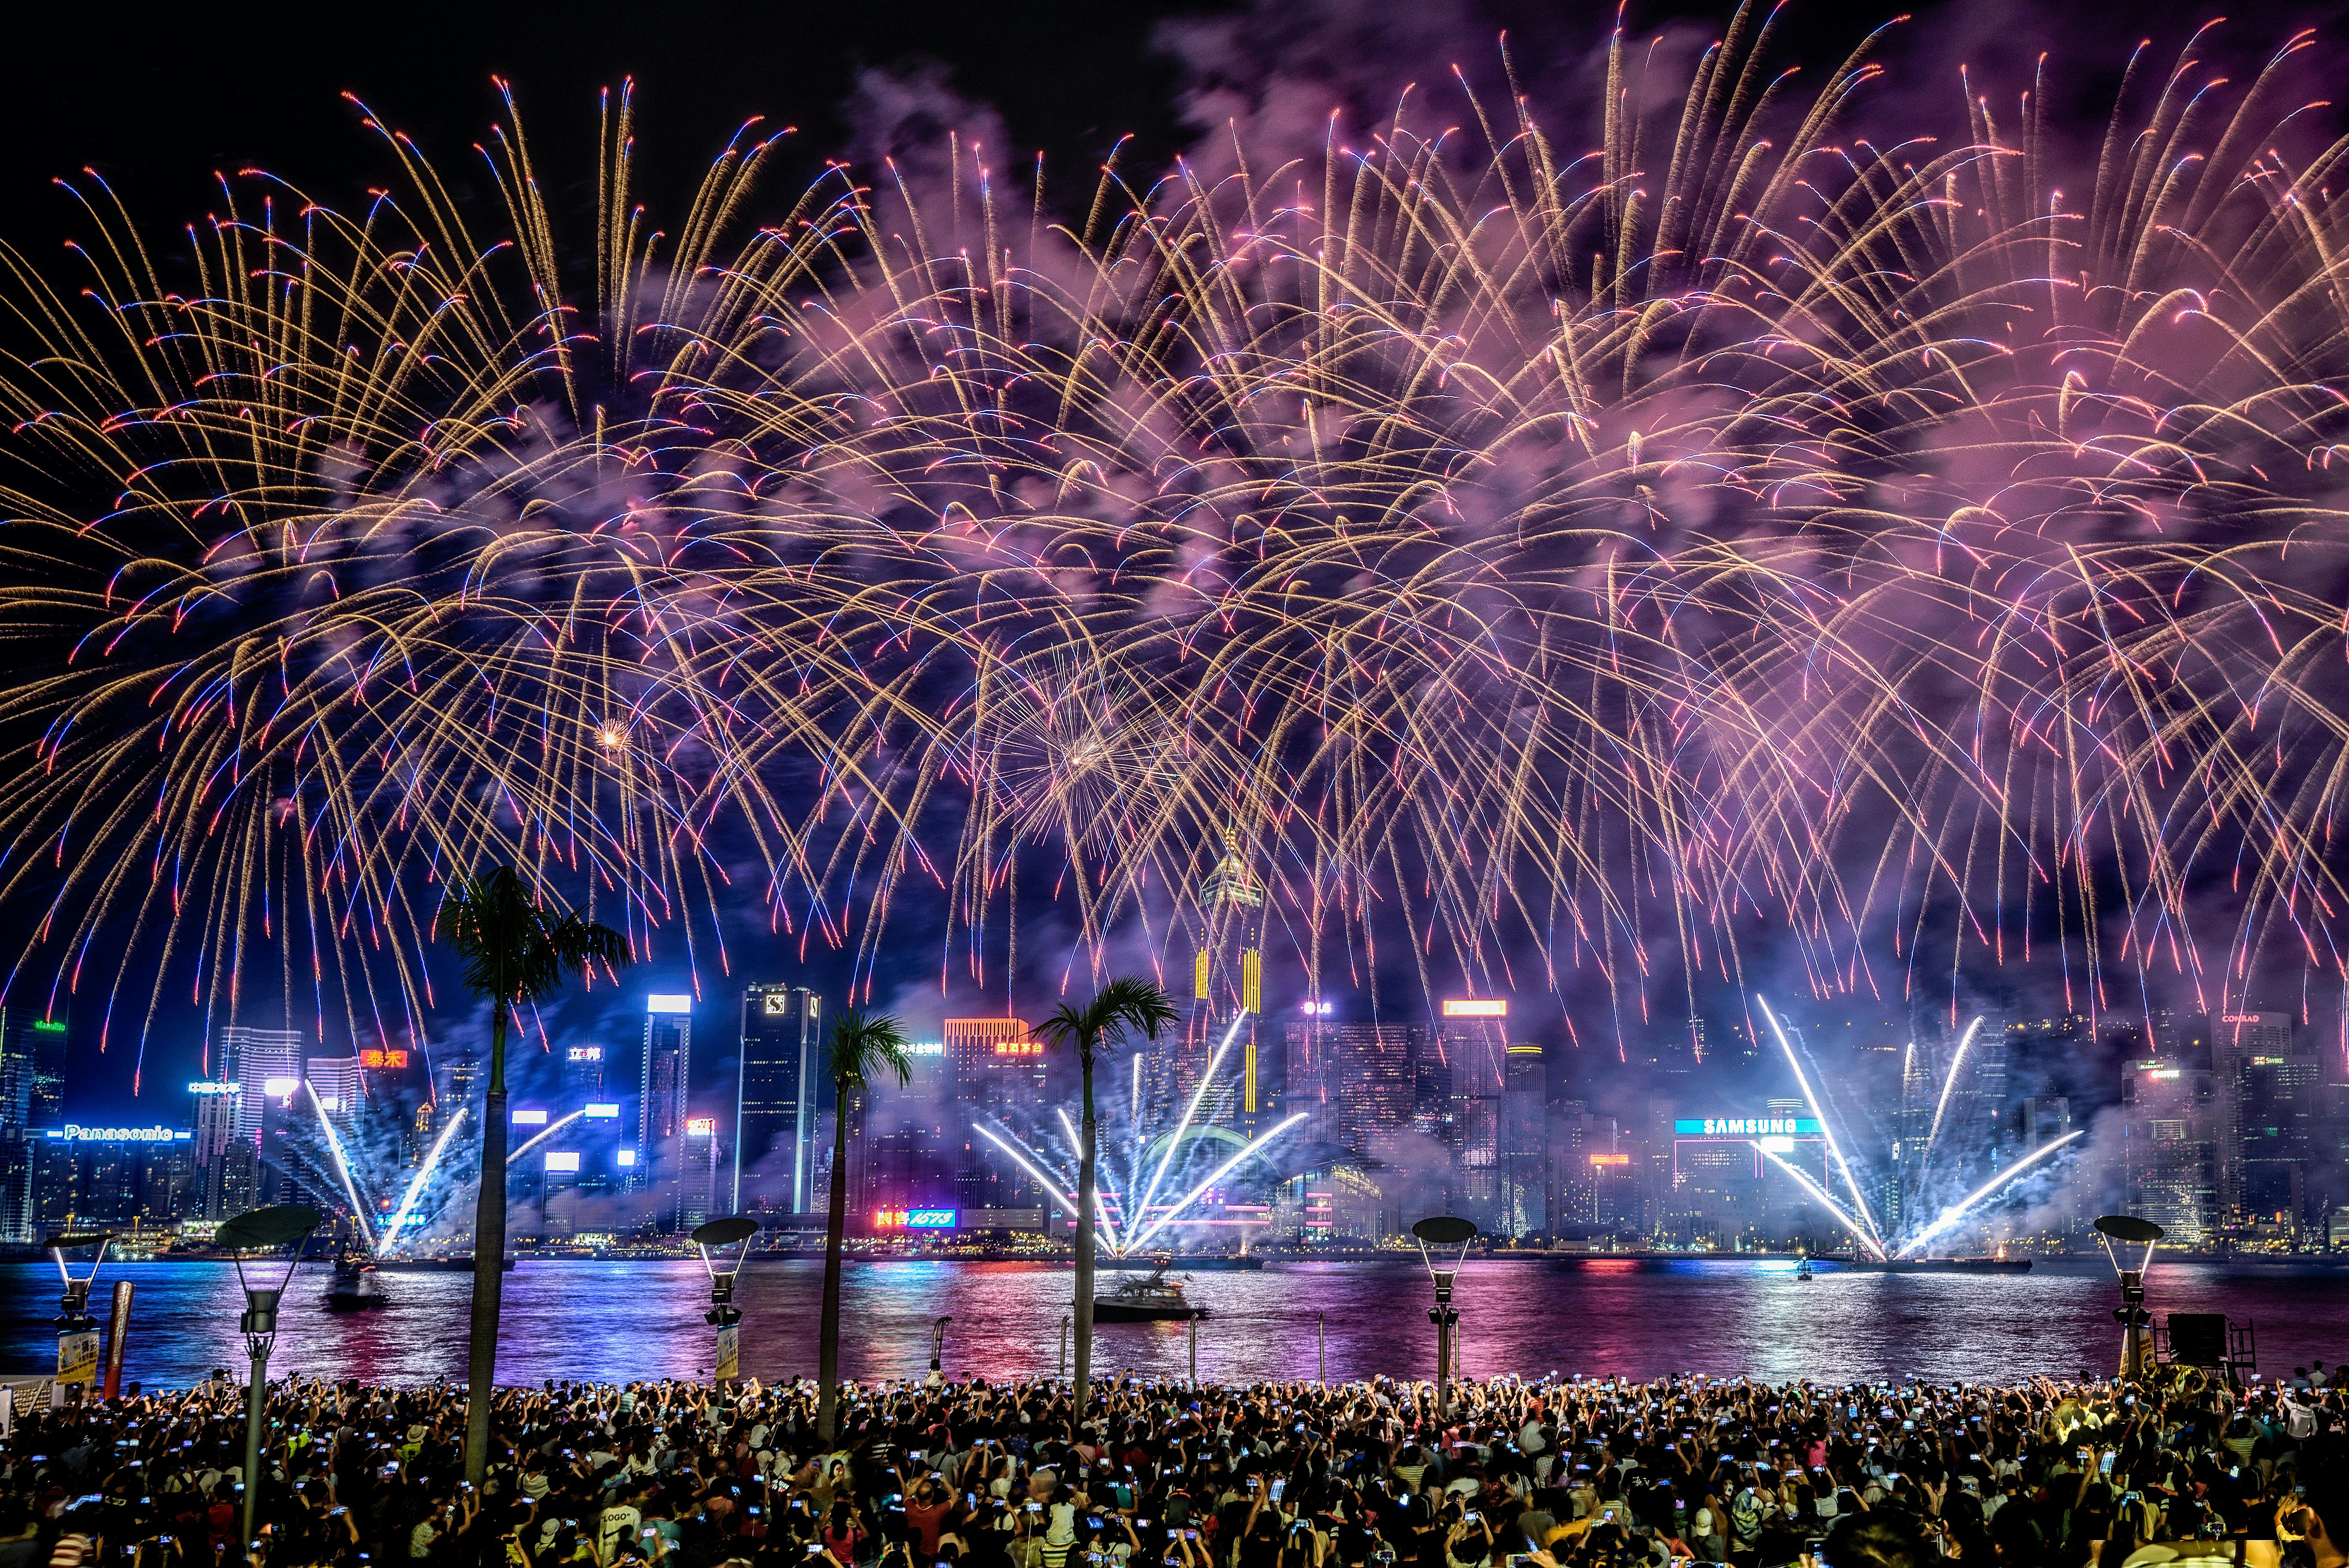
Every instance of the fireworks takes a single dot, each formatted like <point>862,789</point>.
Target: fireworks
<point>1912,1187</point>
<point>1580,558</point>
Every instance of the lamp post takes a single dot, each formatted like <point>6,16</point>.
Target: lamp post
<point>723,1315</point>
<point>262,1230</point>
<point>1321,1347</point>
<point>1065,1321</point>
<point>77,1330</point>
<point>2136,1323</point>
<point>1440,1231</point>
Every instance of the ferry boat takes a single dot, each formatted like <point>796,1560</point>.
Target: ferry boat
<point>354,1287</point>
<point>1157,1299</point>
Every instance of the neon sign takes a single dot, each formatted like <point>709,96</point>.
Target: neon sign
<point>1476,1007</point>
<point>913,1219</point>
<point>383,1059</point>
<point>1747,1126</point>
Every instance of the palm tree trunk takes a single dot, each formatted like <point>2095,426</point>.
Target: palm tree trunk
<point>1088,1184</point>
<point>827,1344</point>
<point>488,1259</point>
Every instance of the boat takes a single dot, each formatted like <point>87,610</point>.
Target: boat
<point>1802,1269</point>
<point>354,1287</point>
<point>461,1264</point>
<point>1939,1265</point>
<point>1157,1299</point>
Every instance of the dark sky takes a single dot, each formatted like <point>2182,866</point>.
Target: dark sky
<point>155,110</point>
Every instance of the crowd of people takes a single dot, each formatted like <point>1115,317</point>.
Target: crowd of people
<point>1580,1473</point>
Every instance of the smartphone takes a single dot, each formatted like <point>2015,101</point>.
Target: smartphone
<point>1472,1516</point>
<point>2104,1466</point>
<point>1607,1516</point>
<point>1035,1508</point>
<point>1279,1484</point>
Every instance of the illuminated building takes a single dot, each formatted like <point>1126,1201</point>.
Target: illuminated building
<point>2170,1147</point>
<point>255,1058</point>
<point>664,1079</point>
<point>1472,1043</point>
<point>225,1164</point>
<point>1523,1193</point>
<point>780,1098</point>
<point>995,1071</point>
<point>336,1081</point>
<point>906,1145</point>
<point>31,1069</point>
<point>1354,1082</point>
<point>1226,983</point>
<point>583,1073</point>
<point>2268,1095</point>
<point>32,1095</point>
<point>697,1187</point>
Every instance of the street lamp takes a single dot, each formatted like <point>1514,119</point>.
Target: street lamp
<point>1440,1231</point>
<point>77,1330</point>
<point>723,1315</point>
<point>2136,1323</point>
<point>262,1230</point>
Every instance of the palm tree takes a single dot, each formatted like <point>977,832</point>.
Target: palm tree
<point>1093,1031</point>
<point>860,1047</point>
<point>515,950</point>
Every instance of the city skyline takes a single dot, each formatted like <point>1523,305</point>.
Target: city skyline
<point>2218,1128</point>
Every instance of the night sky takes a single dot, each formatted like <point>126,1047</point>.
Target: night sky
<point>153,109</point>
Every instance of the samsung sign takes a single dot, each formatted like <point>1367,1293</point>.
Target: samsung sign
<point>1747,1126</point>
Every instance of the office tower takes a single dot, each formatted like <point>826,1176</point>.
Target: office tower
<point>906,1144</point>
<point>32,1101</point>
<point>697,1190</point>
<point>664,1079</point>
<point>337,1083</point>
<point>995,1072</point>
<point>582,1076</point>
<point>32,1069</point>
<point>779,1096</point>
<point>1566,1171</point>
<point>1523,1206</point>
<point>460,1068</point>
<point>215,1112</point>
<point>2269,1096</point>
<point>1367,1073</point>
<point>1472,1039</point>
<point>2170,1138</point>
<point>255,1059</point>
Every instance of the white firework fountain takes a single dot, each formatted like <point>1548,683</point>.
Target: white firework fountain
<point>1138,1204</point>
<point>1907,1244</point>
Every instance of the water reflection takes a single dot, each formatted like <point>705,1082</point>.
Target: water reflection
<point>1599,1316</point>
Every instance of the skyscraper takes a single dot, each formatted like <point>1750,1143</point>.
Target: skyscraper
<point>32,1069</point>
<point>778,1098</point>
<point>1355,1082</point>
<point>253,1059</point>
<point>664,1080</point>
<point>993,1069</point>
<point>1523,1206</point>
<point>2170,1139</point>
<point>1227,987</point>
<point>224,1161</point>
